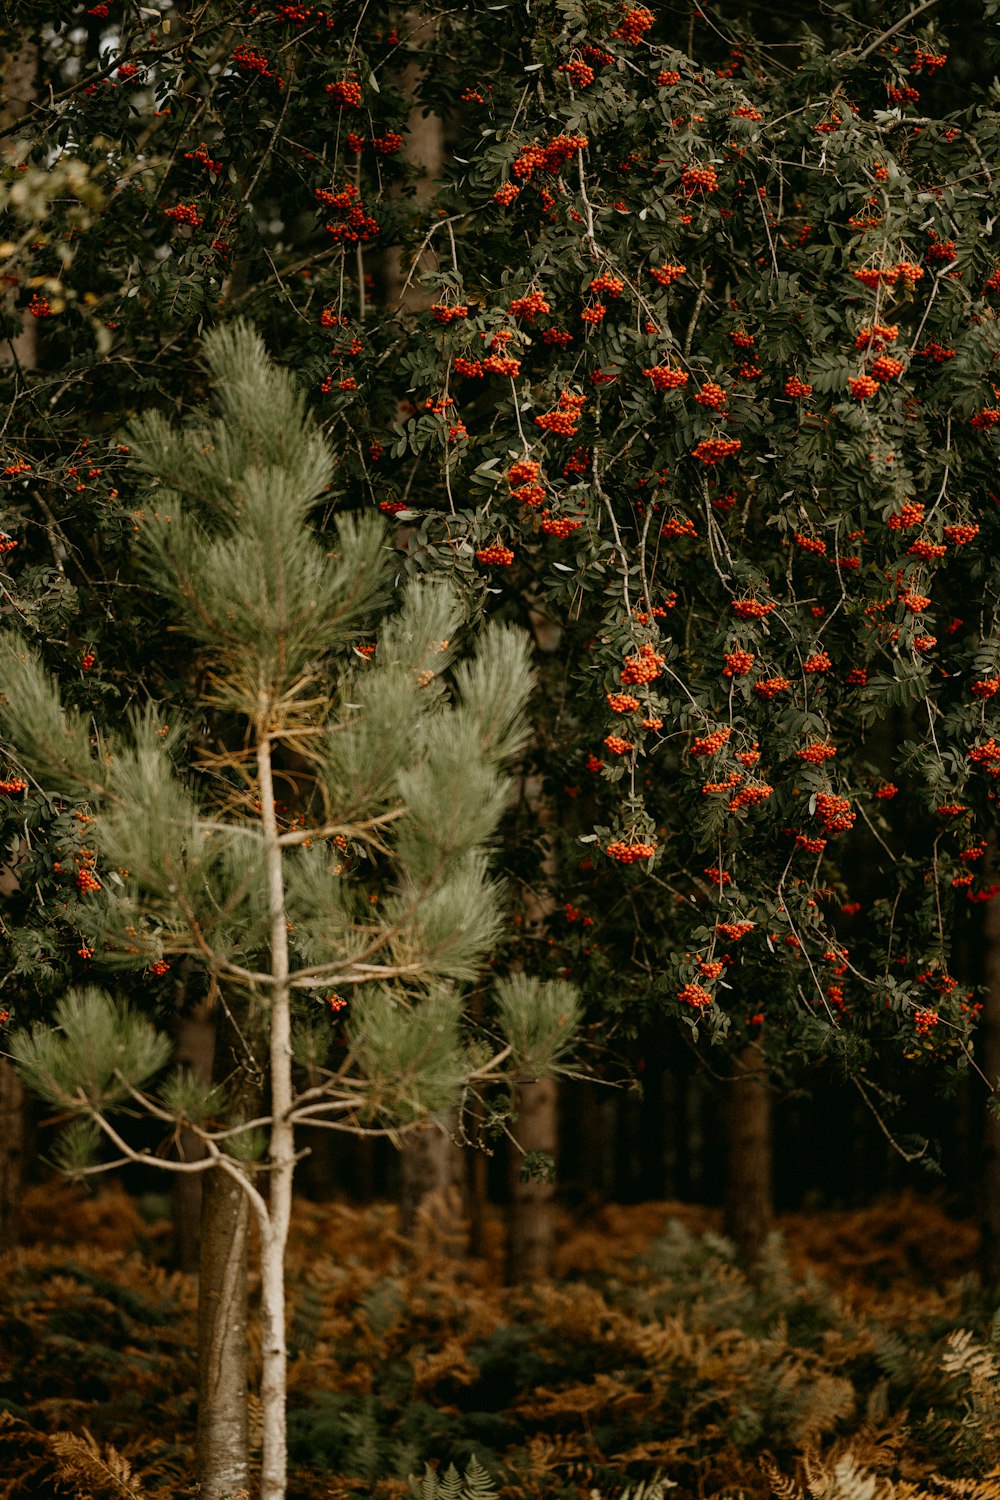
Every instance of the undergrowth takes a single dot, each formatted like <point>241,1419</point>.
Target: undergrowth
<point>863,1363</point>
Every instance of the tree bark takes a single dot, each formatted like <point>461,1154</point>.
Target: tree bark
<point>195,1050</point>
<point>11,1153</point>
<point>432,1177</point>
<point>989,1059</point>
<point>223,1440</point>
<point>747,1199</point>
<point>531,1225</point>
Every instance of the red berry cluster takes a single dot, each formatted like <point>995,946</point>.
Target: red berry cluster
<point>709,788</point>
<point>905,270</point>
<point>617,745</point>
<point>886,368</point>
<point>886,791</point>
<point>496,555</point>
<point>594,314</point>
<point>941,251</point>
<point>699,180</point>
<point>810,845</point>
<point>678,526</point>
<point>87,660</point>
<point>810,544</point>
<point>910,513</point>
<point>667,78</point>
<point>549,158</point>
<point>925,1021</point>
<point>578,72</point>
<point>711,450</point>
<point>248,62</point>
<point>630,854</point>
<point>862,386</point>
<point>7,543</point>
<point>741,339</point>
<point>202,156</point>
<point>668,274</point>
<point>471,368</point>
<point>987,755</point>
<point>501,364</point>
<point>666,378</point>
<point>926,550</point>
<point>356,225</point>
<point>559,526</point>
<point>988,417</point>
<point>635,22</point>
<point>817,752</point>
<point>734,931</point>
<point>712,396</point>
<point>622,703</point>
<point>557,336</point>
<point>694,995</point>
<point>961,534</point>
<point>159,967</point>
<point>605,282</point>
<point>505,195</point>
<point>769,687</point>
<point>644,667</point>
<point>184,213</point>
<point>750,795</point>
<point>12,786</point>
<point>529,307</point>
<point>834,813</point>
<point>752,609</point>
<point>818,662</point>
<point>738,663</point>
<point>797,389</point>
<point>565,417</point>
<point>345,93</point>
<point>877,336</point>
<point>710,744</point>
<point>985,687</point>
<point>447,312</point>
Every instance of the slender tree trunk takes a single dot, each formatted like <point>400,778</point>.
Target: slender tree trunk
<point>275,1222</point>
<point>531,1225</point>
<point>989,1059</point>
<point>747,1196</point>
<point>223,1439</point>
<point>195,1050</point>
<point>12,1104</point>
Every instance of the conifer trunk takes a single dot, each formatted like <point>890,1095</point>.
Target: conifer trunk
<point>223,1439</point>
<point>274,1224</point>
<point>12,1105</point>
<point>747,1196</point>
<point>195,1050</point>
<point>531,1232</point>
<point>989,1059</point>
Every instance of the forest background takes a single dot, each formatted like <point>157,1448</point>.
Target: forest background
<point>722,439</point>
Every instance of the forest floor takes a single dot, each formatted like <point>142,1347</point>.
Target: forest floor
<point>866,1351</point>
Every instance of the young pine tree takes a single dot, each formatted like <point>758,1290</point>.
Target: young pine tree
<point>374,897</point>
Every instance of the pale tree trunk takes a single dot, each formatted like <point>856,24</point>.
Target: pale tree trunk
<point>223,1439</point>
<point>747,1201</point>
<point>423,148</point>
<point>223,1250</point>
<point>277,1216</point>
<point>989,1061</point>
<point>532,1229</point>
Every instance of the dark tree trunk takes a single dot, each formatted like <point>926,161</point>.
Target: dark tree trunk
<point>989,1061</point>
<point>195,1034</point>
<point>747,1197</point>
<point>223,1439</point>
<point>531,1224</point>
<point>11,1153</point>
<point>431,1199</point>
